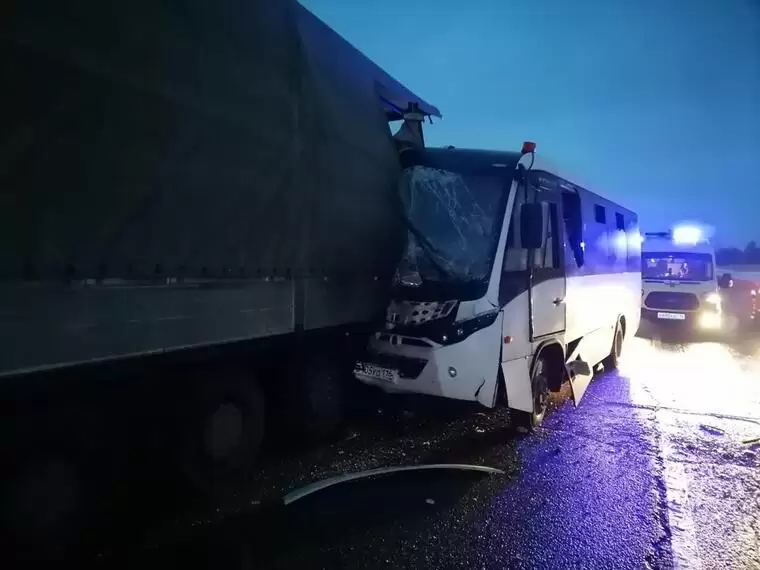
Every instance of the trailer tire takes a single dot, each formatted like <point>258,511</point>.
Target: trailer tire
<point>225,430</point>
<point>612,360</point>
<point>44,506</point>
<point>528,421</point>
<point>319,400</point>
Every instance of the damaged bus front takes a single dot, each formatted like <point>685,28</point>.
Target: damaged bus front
<point>443,330</point>
<point>509,284</point>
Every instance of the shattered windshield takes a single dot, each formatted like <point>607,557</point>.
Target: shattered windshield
<point>679,266</point>
<point>453,225</point>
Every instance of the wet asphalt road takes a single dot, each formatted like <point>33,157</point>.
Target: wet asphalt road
<point>659,467</point>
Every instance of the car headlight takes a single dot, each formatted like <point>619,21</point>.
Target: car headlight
<point>753,292</point>
<point>713,298</point>
<point>710,321</point>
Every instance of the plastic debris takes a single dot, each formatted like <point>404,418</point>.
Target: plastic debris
<point>712,429</point>
<point>325,483</point>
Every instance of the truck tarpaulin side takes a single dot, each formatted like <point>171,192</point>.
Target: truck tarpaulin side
<point>176,174</point>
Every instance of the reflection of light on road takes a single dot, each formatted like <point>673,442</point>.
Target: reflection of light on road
<point>683,538</point>
<point>707,378</point>
<point>699,377</point>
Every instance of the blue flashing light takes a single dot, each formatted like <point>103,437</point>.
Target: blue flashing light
<point>687,235</point>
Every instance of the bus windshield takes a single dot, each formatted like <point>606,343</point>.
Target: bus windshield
<point>681,266</point>
<point>453,223</point>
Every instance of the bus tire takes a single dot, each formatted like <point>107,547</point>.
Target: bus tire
<point>527,421</point>
<point>612,360</point>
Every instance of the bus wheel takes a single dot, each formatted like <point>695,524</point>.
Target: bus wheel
<point>612,360</point>
<point>527,421</point>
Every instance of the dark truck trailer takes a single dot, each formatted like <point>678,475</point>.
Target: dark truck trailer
<point>194,179</point>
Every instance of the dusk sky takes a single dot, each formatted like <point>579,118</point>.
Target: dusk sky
<point>652,103</point>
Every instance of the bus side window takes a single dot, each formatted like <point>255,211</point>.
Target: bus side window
<point>633,247</point>
<point>515,256</point>
<point>550,256</point>
<point>571,207</point>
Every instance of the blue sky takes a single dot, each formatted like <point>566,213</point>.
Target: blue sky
<point>653,103</point>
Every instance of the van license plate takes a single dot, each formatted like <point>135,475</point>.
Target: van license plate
<point>671,316</point>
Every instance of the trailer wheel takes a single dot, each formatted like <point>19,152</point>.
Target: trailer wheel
<point>43,505</point>
<point>540,389</point>
<point>224,432</point>
<point>612,360</point>
<point>319,399</point>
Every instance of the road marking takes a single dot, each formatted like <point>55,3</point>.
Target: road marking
<point>683,541</point>
<point>683,538</point>
<point>659,408</point>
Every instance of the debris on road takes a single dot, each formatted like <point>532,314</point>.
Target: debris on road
<point>712,430</point>
<point>345,477</point>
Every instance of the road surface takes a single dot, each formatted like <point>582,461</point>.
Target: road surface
<point>657,468</point>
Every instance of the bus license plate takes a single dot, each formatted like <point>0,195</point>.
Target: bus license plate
<point>379,372</point>
<point>671,316</point>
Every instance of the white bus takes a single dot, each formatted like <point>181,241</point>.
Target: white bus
<point>514,280</point>
<point>680,284</point>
